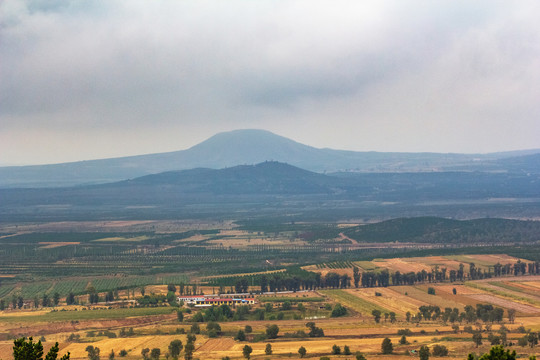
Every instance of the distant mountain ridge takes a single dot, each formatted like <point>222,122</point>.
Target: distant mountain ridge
<point>276,189</point>
<point>252,147</point>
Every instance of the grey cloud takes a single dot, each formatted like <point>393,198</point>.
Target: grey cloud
<point>209,66</point>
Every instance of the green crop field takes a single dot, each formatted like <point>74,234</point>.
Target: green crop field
<point>353,302</point>
<point>501,292</point>
<point>88,315</point>
<point>366,265</point>
<point>513,288</point>
<point>5,290</point>
<point>32,290</point>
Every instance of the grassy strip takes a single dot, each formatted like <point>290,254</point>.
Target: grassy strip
<point>513,288</point>
<point>87,315</point>
<point>349,300</point>
<point>366,265</point>
<point>501,293</point>
<point>291,299</point>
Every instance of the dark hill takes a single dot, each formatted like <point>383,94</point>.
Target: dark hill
<point>269,177</point>
<point>272,188</point>
<point>179,187</point>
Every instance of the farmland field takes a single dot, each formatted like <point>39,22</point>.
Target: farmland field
<point>91,314</point>
<point>420,293</point>
<point>388,299</point>
<point>133,269</point>
<point>157,327</point>
<point>356,303</point>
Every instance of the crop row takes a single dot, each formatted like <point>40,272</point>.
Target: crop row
<point>336,265</point>
<point>101,284</point>
<point>5,290</point>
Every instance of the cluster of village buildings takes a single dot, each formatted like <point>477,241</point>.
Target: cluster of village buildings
<point>217,300</point>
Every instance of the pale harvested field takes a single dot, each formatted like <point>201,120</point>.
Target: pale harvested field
<point>390,299</point>
<point>460,289</point>
<point>484,261</point>
<point>25,312</point>
<point>193,238</point>
<point>405,265</point>
<point>312,345</point>
<point>402,265</point>
<point>156,289</point>
<point>498,258</point>
<point>508,304</point>
<point>461,297</point>
<point>323,272</point>
<point>213,345</point>
<point>421,294</point>
<point>368,328</point>
<point>132,345</point>
<point>442,261</point>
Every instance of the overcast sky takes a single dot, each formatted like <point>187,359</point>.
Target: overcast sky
<point>95,79</point>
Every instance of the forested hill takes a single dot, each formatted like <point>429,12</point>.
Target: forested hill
<point>278,189</point>
<point>269,177</point>
<point>439,230</point>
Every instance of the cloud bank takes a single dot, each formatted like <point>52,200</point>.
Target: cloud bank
<point>92,79</point>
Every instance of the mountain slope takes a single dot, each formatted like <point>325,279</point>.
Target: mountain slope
<point>243,147</point>
<point>273,188</point>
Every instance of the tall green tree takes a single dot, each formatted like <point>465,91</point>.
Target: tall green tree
<point>56,298</point>
<point>154,354</point>
<point>376,315</point>
<point>246,351</point>
<point>240,336</point>
<point>302,351</point>
<point>423,353</point>
<point>495,353</point>
<point>387,347</point>
<point>175,348</point>
<point>28,350</point>
<point>477,338</point>
<point>356,276</point>
<point>93,352</point>
<point>188,350</point>
<point>272,331</point>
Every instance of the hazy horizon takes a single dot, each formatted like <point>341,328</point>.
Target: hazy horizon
<point>128,155</point>
<point>105,79</point>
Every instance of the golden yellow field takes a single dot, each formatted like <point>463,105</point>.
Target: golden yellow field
<point>157,327</point>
